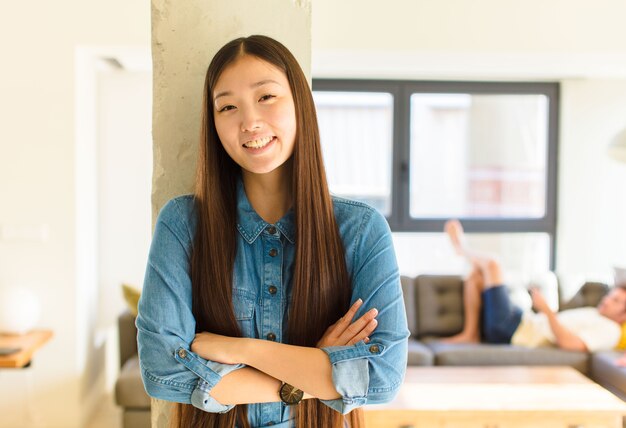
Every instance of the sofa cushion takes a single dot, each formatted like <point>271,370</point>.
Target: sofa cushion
<point>129,391</point>
<point>605,372</point>
<point>131,297</point>
<point>127,336</point>
<point>408,293</point>
<point>447,354</point>
<point>419,354</point>
<point>438,305</point>
<point>589,294</point>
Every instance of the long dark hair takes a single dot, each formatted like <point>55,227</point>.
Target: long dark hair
<point>321,288</point>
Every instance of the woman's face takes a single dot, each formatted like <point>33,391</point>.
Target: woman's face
<point>254,114</point>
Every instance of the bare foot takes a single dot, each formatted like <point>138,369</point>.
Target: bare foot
<point>463,337</point>
<point>454,229</point>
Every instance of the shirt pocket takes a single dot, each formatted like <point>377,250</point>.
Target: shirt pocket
<point>244,307</point>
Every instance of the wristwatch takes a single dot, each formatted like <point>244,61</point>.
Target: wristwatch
<point>290,395</point>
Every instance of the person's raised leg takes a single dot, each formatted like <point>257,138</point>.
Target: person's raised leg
<point>472,303</point>
<point>487,264</point>
<point>486,273</point>
<point>454,230</point>
<point>500,317</point>
<point>491,271</point>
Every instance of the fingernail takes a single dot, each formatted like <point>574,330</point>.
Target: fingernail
<point>375,311</point>
<point>359,300</point>
<point>367,339</point>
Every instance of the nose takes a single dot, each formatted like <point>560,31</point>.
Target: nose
<point>250,120</point>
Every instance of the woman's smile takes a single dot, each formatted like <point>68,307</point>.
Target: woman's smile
<point>258,144</point>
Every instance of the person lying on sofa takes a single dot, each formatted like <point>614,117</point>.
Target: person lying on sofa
<point>484,294</point>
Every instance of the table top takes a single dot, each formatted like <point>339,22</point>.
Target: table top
<point>28,344</point>
<point>504,388</point>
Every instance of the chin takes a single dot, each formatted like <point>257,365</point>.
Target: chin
<point>260,171</point>
<point>264,169</point>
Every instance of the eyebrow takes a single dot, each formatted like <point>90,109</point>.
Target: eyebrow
<point>254,85</point>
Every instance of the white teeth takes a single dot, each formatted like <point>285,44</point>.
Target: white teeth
<point>257,144</point>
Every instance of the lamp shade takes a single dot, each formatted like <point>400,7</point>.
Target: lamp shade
<point>617,148</point>
<point>19,310</point>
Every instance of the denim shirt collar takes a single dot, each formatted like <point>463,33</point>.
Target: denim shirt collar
<point>250,224</point>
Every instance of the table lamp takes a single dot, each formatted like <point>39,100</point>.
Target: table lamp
<point>19,310</point>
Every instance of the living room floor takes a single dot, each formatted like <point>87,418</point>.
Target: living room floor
<point>108,415</point>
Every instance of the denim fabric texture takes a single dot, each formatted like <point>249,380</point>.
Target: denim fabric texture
<point>500,317</point>
<point>262,281</point>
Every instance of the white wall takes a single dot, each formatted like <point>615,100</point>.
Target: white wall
<point>579,43</point>
<point>37,184</point>
<point>124,185</point>
<point>462,26</point>
<point>592,187</point>
<point>124,164</point>
<point>476,39</point>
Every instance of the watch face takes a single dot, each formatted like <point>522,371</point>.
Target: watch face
<point>290,394</point>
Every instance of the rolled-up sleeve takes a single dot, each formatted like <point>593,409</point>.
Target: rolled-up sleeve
<point>372,373</point>
<point>165,324</point>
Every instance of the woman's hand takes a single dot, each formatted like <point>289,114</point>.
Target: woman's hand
<point>228,350</point>
<point>343,333</point>
<point>218,348</point>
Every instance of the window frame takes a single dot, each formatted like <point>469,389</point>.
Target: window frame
<point>400,219</point>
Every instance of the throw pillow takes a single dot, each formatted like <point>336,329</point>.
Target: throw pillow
<point>131,296</point>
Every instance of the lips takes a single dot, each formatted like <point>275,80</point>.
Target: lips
<point>259,143</point>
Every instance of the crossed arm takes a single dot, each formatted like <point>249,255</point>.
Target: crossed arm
<point>308,369</point>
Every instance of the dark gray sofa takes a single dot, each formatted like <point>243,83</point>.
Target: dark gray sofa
<point>435,309</point>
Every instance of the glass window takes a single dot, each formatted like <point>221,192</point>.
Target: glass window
<point>356,131</point>
<point>425,151</point>
<point>478,155</point>
<point>522,255</point>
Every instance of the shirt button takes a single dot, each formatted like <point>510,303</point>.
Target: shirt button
<point>272,289</point>
<point>374,349</point>
<point>273,252</point>
<point>271,337</point>
<point>272,230</point>
<point>182,353</point>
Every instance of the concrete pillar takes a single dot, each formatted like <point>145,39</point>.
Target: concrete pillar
<point>185,36</point>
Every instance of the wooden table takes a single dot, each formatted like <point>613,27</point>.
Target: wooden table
<point>498,397</point>
<point>28,343</point>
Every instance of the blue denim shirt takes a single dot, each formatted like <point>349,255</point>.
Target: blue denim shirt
<point>362,373</point>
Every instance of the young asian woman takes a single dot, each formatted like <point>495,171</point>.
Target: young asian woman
<point>262,290</point>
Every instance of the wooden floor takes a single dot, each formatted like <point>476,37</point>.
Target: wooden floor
<point>108,415</point>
